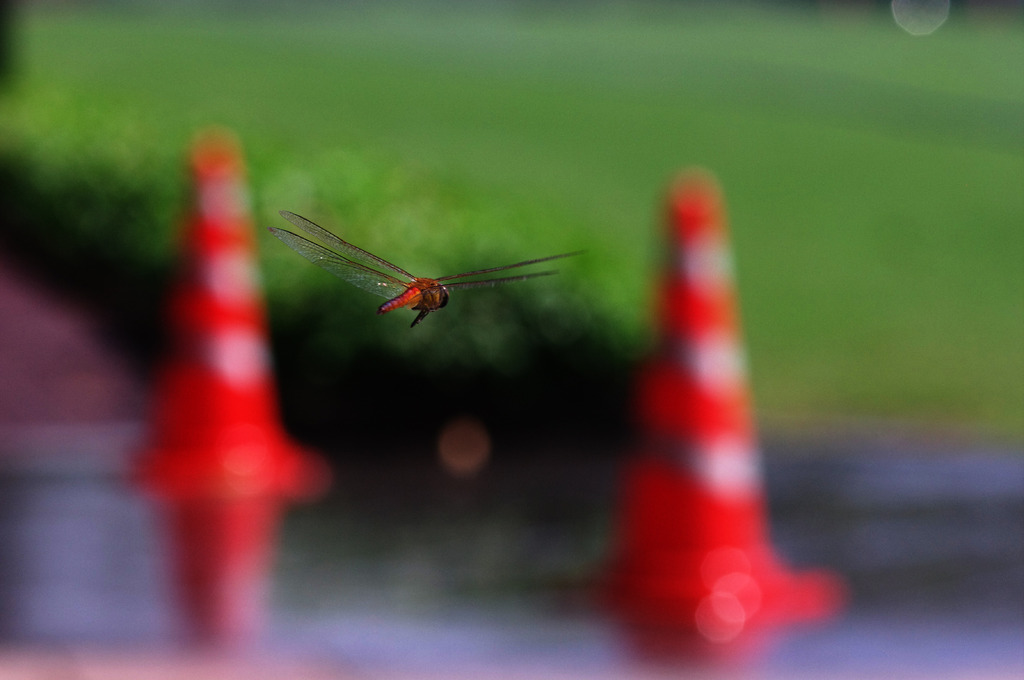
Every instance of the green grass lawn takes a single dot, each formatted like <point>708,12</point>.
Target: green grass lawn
<point>875,181</point>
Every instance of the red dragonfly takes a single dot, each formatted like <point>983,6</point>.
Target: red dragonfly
<point>377,275</point>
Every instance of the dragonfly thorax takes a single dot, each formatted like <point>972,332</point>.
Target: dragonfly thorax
<point>433,298</point>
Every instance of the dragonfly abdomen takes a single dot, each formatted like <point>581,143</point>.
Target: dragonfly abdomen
<point>411,295</point>
<point>425,294</point>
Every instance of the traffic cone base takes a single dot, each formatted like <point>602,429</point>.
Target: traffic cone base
<point>699,564</point>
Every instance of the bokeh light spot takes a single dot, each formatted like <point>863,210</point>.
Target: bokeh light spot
<point>463,446</point>
<point>920,17</point>
<point>720,617</point>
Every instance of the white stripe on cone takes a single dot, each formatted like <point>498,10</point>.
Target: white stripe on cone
<point>716,362</point>
<point>222,201</point>
<point>230,276</point>
<point>728,466</point>
<point>706,263</point>
<point>238,355</point>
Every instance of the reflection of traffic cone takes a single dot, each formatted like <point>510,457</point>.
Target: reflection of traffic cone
<point>217,452</point>
<point>693,548</point>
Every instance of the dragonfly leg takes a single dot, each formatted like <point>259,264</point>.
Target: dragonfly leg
<point>422,315</point>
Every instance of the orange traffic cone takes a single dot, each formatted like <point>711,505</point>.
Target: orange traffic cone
<point>693,547</point>
<point>217,453</point>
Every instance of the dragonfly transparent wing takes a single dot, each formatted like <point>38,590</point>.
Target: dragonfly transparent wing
<point>356,273</point>
<point>348,251</point>
<point>504,267</point>
<point>495,282</point>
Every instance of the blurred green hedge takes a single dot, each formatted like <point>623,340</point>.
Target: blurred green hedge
<point>94,197</point>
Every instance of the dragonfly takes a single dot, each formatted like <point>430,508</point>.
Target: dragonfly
<point>380,277</point>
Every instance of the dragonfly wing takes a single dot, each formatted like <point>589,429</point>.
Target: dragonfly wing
<point>508,266</point>
<point>342,246</point>
<point>495,282</point>
<point>357,274</point>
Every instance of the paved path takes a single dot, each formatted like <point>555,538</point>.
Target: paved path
<point>55,364</point>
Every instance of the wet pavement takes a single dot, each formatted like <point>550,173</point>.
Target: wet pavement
<point>405,571</point>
